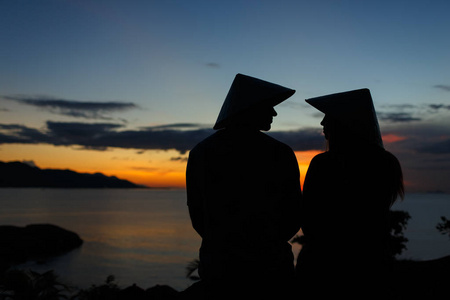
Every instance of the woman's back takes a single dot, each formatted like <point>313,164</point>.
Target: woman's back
<point>346,204</point>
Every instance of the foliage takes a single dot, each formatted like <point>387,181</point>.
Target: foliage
<point>398,220</point>
<point>444,227</point>
<point>107,291</point>
<point>191,268</point>
<point>30,285</point>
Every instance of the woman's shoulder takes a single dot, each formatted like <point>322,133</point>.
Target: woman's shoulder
<point>322,160</point>
<point>322,157</point>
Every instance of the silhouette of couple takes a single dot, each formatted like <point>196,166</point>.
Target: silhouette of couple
<point>245,200</point>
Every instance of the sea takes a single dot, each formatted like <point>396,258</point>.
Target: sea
<point>145,237</point>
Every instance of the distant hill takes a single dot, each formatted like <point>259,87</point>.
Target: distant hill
<point>17,174</point>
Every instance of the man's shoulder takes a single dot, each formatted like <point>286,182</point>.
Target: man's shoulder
<point>255,138</point>
<point>206,141</point>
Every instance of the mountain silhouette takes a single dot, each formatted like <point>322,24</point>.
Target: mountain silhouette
<point>17,174</point>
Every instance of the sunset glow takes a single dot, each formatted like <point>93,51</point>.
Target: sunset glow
<point>392,138</point>
<point>154,168</point>
<point>303,159</point>
<point>150,168</point>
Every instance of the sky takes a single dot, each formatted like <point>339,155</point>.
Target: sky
<point>127,88</point>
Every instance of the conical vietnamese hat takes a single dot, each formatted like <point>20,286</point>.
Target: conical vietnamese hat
<point>354,108</point>
<point>248,92</point>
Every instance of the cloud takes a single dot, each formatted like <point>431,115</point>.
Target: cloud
<point>212,65</point>
<point>397,117</point>
<point>423,150</point>
<point>444,87</point>
<point>20,134</point>
<point>422,138</point>
<point>182,137</point>
<point>400,106</point>
<point>302,139</point>
<point>179,158</point>
<point>176,126</point>
<point>296,105</point>
<point>439,107</point>
<point>74,108</point>
<point>399,113</point>
<point>392,138</point>
<point>82,134</point>
<point>404,113</point>
<point>145,169</point>
<point>75,130</point>
<point>101,136</point>
<point>438,147</point>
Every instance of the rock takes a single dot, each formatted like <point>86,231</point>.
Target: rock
<point>34,242</point>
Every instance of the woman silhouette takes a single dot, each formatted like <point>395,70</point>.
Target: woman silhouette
<point>348,192</point>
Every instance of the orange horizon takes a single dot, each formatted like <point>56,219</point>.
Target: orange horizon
<point>155,168</point>
<point>152,168</point>
<point>177,178</point>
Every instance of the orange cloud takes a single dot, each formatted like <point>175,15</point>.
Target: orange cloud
<point>393,138</point>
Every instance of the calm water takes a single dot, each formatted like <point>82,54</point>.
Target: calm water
<point>140,236</point>
<point>145,236</point>
<point>425,241</point>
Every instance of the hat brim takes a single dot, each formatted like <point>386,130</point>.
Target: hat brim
<point>246,93</point>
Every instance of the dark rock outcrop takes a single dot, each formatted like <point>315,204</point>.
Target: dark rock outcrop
<point>34,242</point>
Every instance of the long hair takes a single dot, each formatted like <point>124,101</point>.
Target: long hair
<point>396,188</point>
<point>342,140</point>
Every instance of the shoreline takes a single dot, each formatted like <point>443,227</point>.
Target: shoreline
<point>43,242</point>
<point>409,280</point>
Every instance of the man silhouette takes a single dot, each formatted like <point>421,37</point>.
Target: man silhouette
<point>243,194</point>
